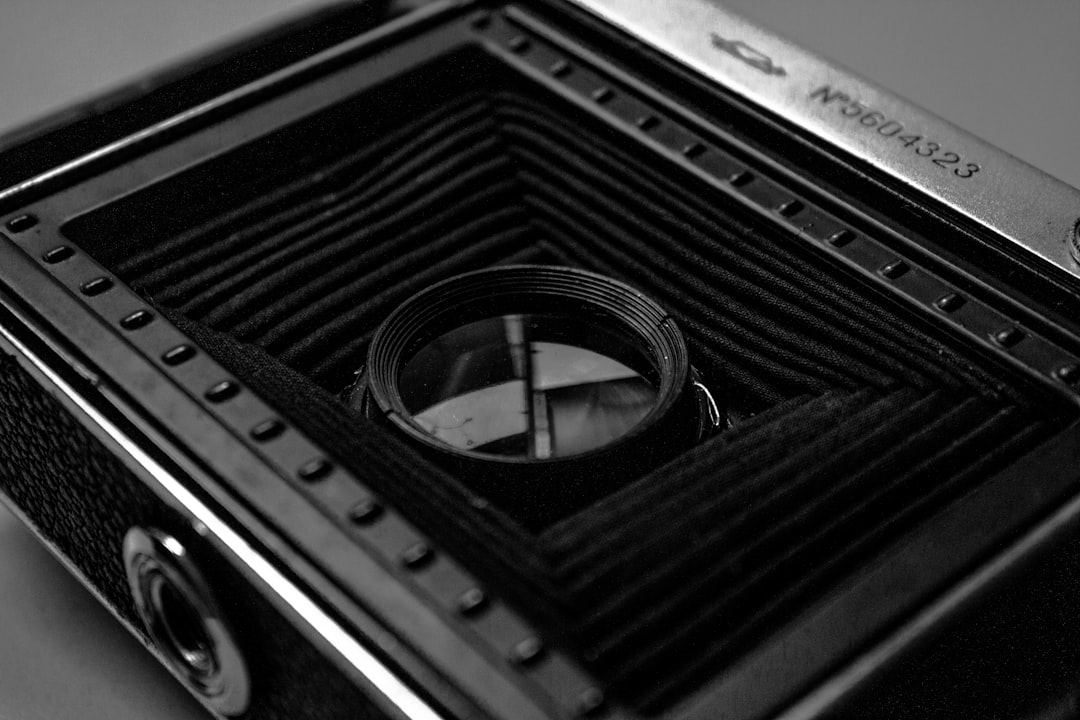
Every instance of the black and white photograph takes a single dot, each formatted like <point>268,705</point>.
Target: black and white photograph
<point>539,360</point>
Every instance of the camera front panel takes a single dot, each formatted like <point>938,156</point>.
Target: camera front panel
<point>895,418</point>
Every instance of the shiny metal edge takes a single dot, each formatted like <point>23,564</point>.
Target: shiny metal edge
<point>394,691</point>
<point>1029,208</point>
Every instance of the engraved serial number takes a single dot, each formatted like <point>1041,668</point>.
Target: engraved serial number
<point>876,121</point>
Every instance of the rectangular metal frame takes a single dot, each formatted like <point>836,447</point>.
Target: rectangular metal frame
<point>121,376</point>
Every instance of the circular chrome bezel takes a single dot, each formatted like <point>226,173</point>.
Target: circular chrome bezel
<point>519,289</point>
<point>185,623</point>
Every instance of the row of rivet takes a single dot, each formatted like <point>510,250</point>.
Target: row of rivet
<point>1006,337</point>
<point>217,393</point>
<point>469,604</point>
<point>366,512</point>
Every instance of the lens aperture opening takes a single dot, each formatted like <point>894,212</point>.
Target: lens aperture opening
<point>182,628</point>
<point>530,385</point>
<point>532,365</point>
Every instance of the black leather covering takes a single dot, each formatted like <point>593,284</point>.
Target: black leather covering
<point>83,500</point>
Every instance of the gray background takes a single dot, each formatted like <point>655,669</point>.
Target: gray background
<point>1004,70</point>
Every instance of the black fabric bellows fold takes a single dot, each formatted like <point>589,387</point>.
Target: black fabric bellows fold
<point>857,422</point>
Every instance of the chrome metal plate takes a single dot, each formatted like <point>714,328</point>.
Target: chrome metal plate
<point>1024,205</point>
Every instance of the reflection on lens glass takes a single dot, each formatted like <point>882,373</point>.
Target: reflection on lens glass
<point>529,386</point>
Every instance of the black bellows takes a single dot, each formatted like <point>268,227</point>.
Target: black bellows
<point>857,421</point>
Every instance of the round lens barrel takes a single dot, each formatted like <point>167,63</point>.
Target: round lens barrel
<point>527,364</point>
<point>540,388</point>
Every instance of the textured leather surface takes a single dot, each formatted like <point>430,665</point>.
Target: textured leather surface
<point>65,657</point>
<point>962,48</point>
<point>84,500</point>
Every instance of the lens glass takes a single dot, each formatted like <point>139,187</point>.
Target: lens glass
<point>183,628</point>
<point>529,386</point>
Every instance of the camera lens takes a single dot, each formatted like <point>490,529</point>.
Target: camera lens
<point>537,385</point>
<point>564,376</point>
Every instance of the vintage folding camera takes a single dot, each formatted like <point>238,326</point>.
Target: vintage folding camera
<point>784,374</point>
